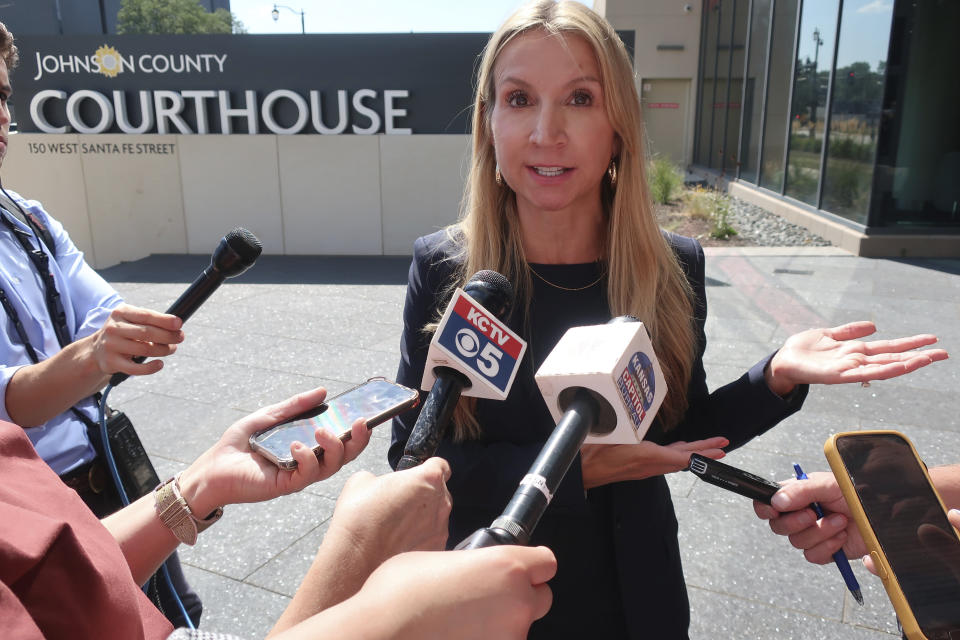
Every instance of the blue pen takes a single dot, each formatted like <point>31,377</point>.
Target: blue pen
<point>838,558</point>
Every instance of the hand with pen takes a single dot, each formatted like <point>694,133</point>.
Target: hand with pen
<point>839,558</point>
<point>790,514</point>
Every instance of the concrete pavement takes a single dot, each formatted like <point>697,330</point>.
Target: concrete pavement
<point>291,323</point>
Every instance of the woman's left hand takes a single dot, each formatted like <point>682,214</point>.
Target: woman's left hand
<point>605,463</point>
<point>836,355</point>
<point>230,472</point>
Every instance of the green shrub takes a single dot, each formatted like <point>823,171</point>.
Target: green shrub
<point>665,178</point>
<point>846,188</point>
<point>699,202</point>
<point>850,149</point>
<point>713,205</point>
<point>721,216</point>
<point>803,143</point>
<point>802,181</point>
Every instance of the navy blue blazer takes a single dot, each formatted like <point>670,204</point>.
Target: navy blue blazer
<point>616,545</point>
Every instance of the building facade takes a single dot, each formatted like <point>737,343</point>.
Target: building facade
<point>837,114</point>
<point>840,108</point>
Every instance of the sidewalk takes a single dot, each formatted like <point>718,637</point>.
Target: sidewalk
<point>291,323</point>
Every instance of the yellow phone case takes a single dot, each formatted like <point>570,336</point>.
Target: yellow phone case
<point>907,620</point>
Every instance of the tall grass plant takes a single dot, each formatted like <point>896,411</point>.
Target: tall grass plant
<point>666,180</point>
<point>712,205</point>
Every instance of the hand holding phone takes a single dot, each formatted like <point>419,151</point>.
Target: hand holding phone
<point>376,401</point>
<point>914,548</point>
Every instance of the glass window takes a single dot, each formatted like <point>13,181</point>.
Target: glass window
<point>708,69</point>
<point>734,94</point>
<point>855,110</point>
<point>778,94</point>
<point>917,182</point>
<point>818,24</point>
<point>719,105</point>
<point>755,85</point>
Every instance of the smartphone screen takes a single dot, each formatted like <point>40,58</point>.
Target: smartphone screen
<point>375,400</point>
<point>909,522</point>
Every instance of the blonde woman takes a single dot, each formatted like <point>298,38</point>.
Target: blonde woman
<point>557,202</point>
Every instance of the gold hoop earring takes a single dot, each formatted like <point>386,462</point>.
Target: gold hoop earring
<point>612,172</point>
<point>498,177</point>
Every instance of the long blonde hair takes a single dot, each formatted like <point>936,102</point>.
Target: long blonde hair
<point>644,278</point>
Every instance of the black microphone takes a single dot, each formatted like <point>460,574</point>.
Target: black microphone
<point>517,522</point>
<point>236,253</point>
<point>494,292</point>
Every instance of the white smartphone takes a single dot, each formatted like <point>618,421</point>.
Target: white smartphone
<point>376,400</point>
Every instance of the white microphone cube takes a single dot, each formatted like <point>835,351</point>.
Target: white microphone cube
<point>617,363</point>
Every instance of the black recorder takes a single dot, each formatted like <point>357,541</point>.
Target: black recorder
<point>732,479</point>
<point>133,465</point>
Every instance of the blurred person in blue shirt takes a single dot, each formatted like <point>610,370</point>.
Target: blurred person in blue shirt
<point>65,332</point>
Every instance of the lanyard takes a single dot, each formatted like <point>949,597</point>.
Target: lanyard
<point>41,262</point>
<point>18,326</point>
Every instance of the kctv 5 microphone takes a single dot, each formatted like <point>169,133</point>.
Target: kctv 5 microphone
<point>236,253</point>
<point>472,353</point>
<point>603,384</point>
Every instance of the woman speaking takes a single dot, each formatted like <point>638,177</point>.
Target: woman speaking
<point>557,202</point>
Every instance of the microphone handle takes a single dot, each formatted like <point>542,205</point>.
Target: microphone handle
<point>487,537</point>
<point>198,292</point>
<point>434,417</point>
<point>517,522</point>
<point>184,306</point>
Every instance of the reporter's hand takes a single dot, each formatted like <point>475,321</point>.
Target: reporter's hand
<point>375,519</point>
<point>495,592</point>
<point>790,515</point>
<point>133,331</point>
<point>605,463</point>
<point>836,355</point>
<point>378,517</point>
<point>230,472</point>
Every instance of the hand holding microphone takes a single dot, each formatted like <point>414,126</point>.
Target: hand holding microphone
<point>135,331</point>
<point>393,513</point>
<point>471,595</point>
<point>236,253</point>
<point>472,353</point>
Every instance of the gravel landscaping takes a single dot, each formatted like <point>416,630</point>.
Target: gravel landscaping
<point>755,227</point>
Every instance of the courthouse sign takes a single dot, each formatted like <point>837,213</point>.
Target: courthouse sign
<point>227,84</point>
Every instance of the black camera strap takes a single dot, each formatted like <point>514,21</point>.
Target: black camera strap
<point>41,262</point>
<point>22,334</point>
<point>17,325</point>
<point>28,219</point>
